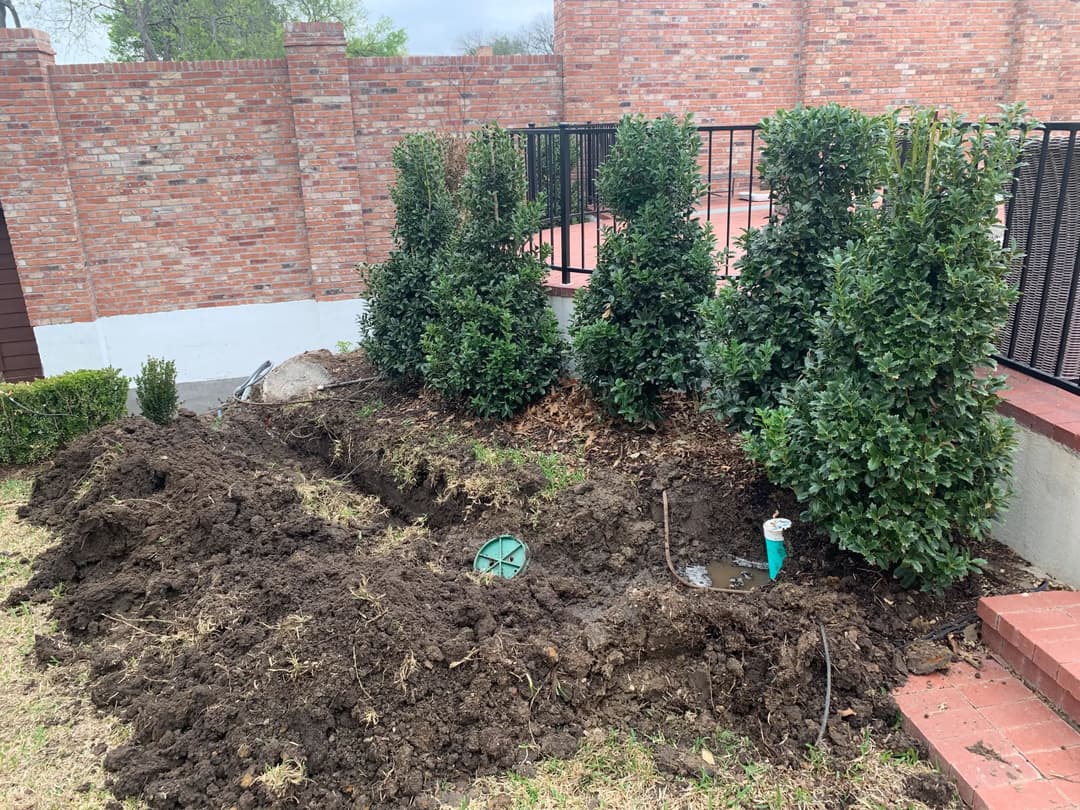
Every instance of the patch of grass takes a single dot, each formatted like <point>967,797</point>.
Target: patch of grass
<point>330,500</point>
<point>48,728</point>
<point>400,539</point>
<point>277,779</point>
<point>615,771</point>
<point>557,470</point>
<point>98,469</point>
<point>369,409</point>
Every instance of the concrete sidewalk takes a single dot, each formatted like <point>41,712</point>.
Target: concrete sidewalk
<point>201,397</point>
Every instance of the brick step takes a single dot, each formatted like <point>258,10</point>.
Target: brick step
<point>1038,635</point>
<point>1004,747</point>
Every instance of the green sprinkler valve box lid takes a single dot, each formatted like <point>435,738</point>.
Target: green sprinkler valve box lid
<point>503,556</point>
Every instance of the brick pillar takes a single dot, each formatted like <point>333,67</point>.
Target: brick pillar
<point>35,188</point>
<point>322,110</point>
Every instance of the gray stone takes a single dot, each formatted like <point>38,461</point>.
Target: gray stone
<point>297,377</point>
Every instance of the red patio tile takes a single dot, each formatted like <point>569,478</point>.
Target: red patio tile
<point>1035,795</point>
<point>1069,677</point>
<point>1049,736</point>
<point>964,722</point>
<point>1070,789</point>
<point>1063,763</point>
<point>1008,716</point>
<point>982,761</point>
<point>996,692</point>
<point>921,702</point>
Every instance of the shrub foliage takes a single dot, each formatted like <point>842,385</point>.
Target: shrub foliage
<point>494,343</point>
<point>819,163</point>
<point>891,436</point>
<point>39,417</point>
<point>399,290</point>
<point>636,326</point>
<point>155,390</point>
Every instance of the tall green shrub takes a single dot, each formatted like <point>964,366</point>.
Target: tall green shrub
<point>494,343</point>
<point>39,417</point>
<point>636,325</point>
<point>819,162</point>
<point>155,390</point>
<point>399,290</point>
<point>891,438</point>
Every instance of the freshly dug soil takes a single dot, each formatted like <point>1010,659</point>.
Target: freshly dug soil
<point>238,621</point>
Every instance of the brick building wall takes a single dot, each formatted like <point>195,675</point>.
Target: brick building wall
<point>730,61</point>
<point>139,189</point>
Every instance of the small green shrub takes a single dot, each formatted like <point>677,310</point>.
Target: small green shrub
<point>494,343</point>
<point>891,437</point>
<point>155,390</point>
<point>636,326</point>
<point>37,418</point>
<point>819,163</point>
<point>399,290</point>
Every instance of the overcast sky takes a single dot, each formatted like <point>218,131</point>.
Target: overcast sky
<point>434,26</point>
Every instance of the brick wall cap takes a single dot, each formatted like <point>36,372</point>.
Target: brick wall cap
<point>25,39</point>
<point>314,34</point>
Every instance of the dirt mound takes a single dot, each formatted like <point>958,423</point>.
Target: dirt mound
<point>283,606</point>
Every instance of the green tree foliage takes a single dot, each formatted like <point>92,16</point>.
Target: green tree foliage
<point>891,436</point>
<point>231,29</point>
<point>155,390</point>
<point>636,326</point>
<point>535,37</point>
<point>819,163</point>
<point>399,290</point>
<point>494,345</point>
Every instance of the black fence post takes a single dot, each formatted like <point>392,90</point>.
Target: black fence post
<point>564,195</point>
<point>530,161</point>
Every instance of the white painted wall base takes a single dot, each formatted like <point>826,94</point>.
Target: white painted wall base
<point>1042,523</point>
<point>564,311</point>
<point>206,344</point>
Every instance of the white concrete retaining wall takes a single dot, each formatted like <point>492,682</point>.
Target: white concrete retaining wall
<point>1042,523</point>
<point>206,344</point>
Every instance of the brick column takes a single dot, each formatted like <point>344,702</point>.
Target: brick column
<point>321,99</point>
<point>35,188</point>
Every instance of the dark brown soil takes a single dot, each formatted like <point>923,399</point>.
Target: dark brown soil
<point>234,630</point>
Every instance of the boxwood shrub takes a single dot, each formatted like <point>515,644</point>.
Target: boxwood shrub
<point>38,417</point>
<point>891,436</point>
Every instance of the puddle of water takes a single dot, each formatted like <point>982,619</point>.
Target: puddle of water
<point>726,574</point>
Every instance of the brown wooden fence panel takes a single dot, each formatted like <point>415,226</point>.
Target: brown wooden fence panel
<point>19,358</point>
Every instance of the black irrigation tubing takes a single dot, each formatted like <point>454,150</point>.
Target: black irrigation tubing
<point>958,624</point>
<point>22,407</point>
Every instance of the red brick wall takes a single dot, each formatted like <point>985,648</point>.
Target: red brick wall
<point>1048,58</point>
<point>448,93</point>
<point>148,187</point>
<point>727,62</point>
<point>133,188</point>
<point>877,54</point>
<point>185,183</point>
<point>735,61</point>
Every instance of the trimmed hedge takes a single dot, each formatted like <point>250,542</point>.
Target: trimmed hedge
<point>37,418</point>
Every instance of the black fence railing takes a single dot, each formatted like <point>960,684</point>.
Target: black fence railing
<point>1041,219</point>
<point>562,163</point>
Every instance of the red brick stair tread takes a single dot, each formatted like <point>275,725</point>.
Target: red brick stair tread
<point>1038,635</point>
<point>1006,749</point>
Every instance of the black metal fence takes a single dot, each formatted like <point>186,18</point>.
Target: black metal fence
<point>562,163</point>
<point>1041,219</point>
